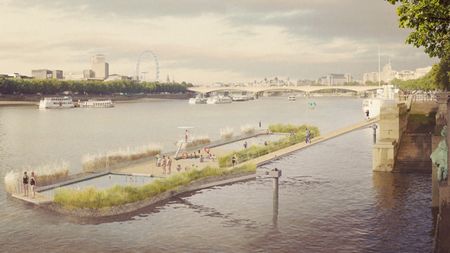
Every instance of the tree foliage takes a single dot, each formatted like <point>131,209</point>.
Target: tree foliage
<point>430,22</point>
<point>54,86</point>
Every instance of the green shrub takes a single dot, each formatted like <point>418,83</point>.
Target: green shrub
<point>119,195</point>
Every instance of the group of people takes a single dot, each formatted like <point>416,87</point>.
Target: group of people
<point>26,180</point>
<point>165,162</point>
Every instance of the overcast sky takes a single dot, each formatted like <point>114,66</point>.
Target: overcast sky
<point>204,41</point>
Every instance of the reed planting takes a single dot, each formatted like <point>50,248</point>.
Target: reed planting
<point>226,133</point>
<point>102,161</point>
<point>120,195</point>
<point>46,174</point>
<point>198,141</point>
<point>248,129</point>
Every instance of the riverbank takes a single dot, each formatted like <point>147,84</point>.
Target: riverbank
<point>33,100</point>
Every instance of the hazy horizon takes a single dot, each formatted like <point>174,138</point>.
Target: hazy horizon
<point>205,41</point>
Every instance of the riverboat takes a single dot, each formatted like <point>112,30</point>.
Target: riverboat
<point>56,103</point>
<point>240,98</point>
<point>197,100</point>
<point>95,103</point>
<point>219,100</point>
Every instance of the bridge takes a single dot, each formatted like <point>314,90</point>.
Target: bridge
<point>260,89</point>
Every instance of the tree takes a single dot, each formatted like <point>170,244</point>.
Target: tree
<point>430,22</point>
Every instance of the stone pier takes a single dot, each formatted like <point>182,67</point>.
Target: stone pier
<point>393,120</point>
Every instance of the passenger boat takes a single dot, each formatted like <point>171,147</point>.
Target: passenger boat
<point>240,98</point>
<point>197,100</point>
<point>219,100</point>
<point>56,103</point>
<point>373,105</point>
<point>94,103</point>
<point>292,98</point>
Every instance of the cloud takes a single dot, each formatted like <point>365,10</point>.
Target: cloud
<point>217,40</point>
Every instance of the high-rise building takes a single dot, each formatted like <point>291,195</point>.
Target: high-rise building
<point>100,66</point>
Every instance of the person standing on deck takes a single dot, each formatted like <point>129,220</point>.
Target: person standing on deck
<point>25,184</point>
<point>163,164</point>
<point>169,165</point>
<point>308,136</point>
<point>186,135</point>
<point>33,184</point>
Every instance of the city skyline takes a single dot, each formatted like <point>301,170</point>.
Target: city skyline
<point>204,42</point>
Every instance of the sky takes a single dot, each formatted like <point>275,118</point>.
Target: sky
<point>206,41</point>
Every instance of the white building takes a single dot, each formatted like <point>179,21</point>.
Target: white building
<point>370,77</point>
<point>335,79</point>
<point>388,74</point>
<point>100,66</point>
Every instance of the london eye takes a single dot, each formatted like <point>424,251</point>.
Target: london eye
<point>138,65</point>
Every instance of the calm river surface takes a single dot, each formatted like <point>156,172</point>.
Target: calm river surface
<point>329,199</point>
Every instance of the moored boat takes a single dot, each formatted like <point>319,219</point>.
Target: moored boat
<point>197,100</point>
<point>219,100</point>
<point>97,103</point>
<point>56,103</point>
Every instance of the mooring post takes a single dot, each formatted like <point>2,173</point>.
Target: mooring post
<point>275,174</point>
<point>374,127</point>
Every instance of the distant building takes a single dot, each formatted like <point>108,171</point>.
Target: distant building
<point>388,74</point>
<point>117,77</point>
<point>58,74</point>
<point>47,74</point>
<point>41,73</point>
<point>420,72</point>
<point>370,77</point>
<point>88,74</point>
<point>335,79</point>
<point>100,66</point>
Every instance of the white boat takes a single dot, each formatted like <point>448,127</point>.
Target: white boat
<point>197,100</point>
<point>292,98</point>
<point>373,105</point>
<point>219,100</point>
<point>94,103</point>
<point>56,103</point>
<point>241,98</point>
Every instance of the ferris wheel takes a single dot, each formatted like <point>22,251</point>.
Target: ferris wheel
<point>155,58</point>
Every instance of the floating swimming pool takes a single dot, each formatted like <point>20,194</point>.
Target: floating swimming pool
<point>103,182</point>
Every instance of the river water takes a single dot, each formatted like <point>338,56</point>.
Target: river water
<point>329,199</point>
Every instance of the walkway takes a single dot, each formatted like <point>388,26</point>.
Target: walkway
<point>286,151</point>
